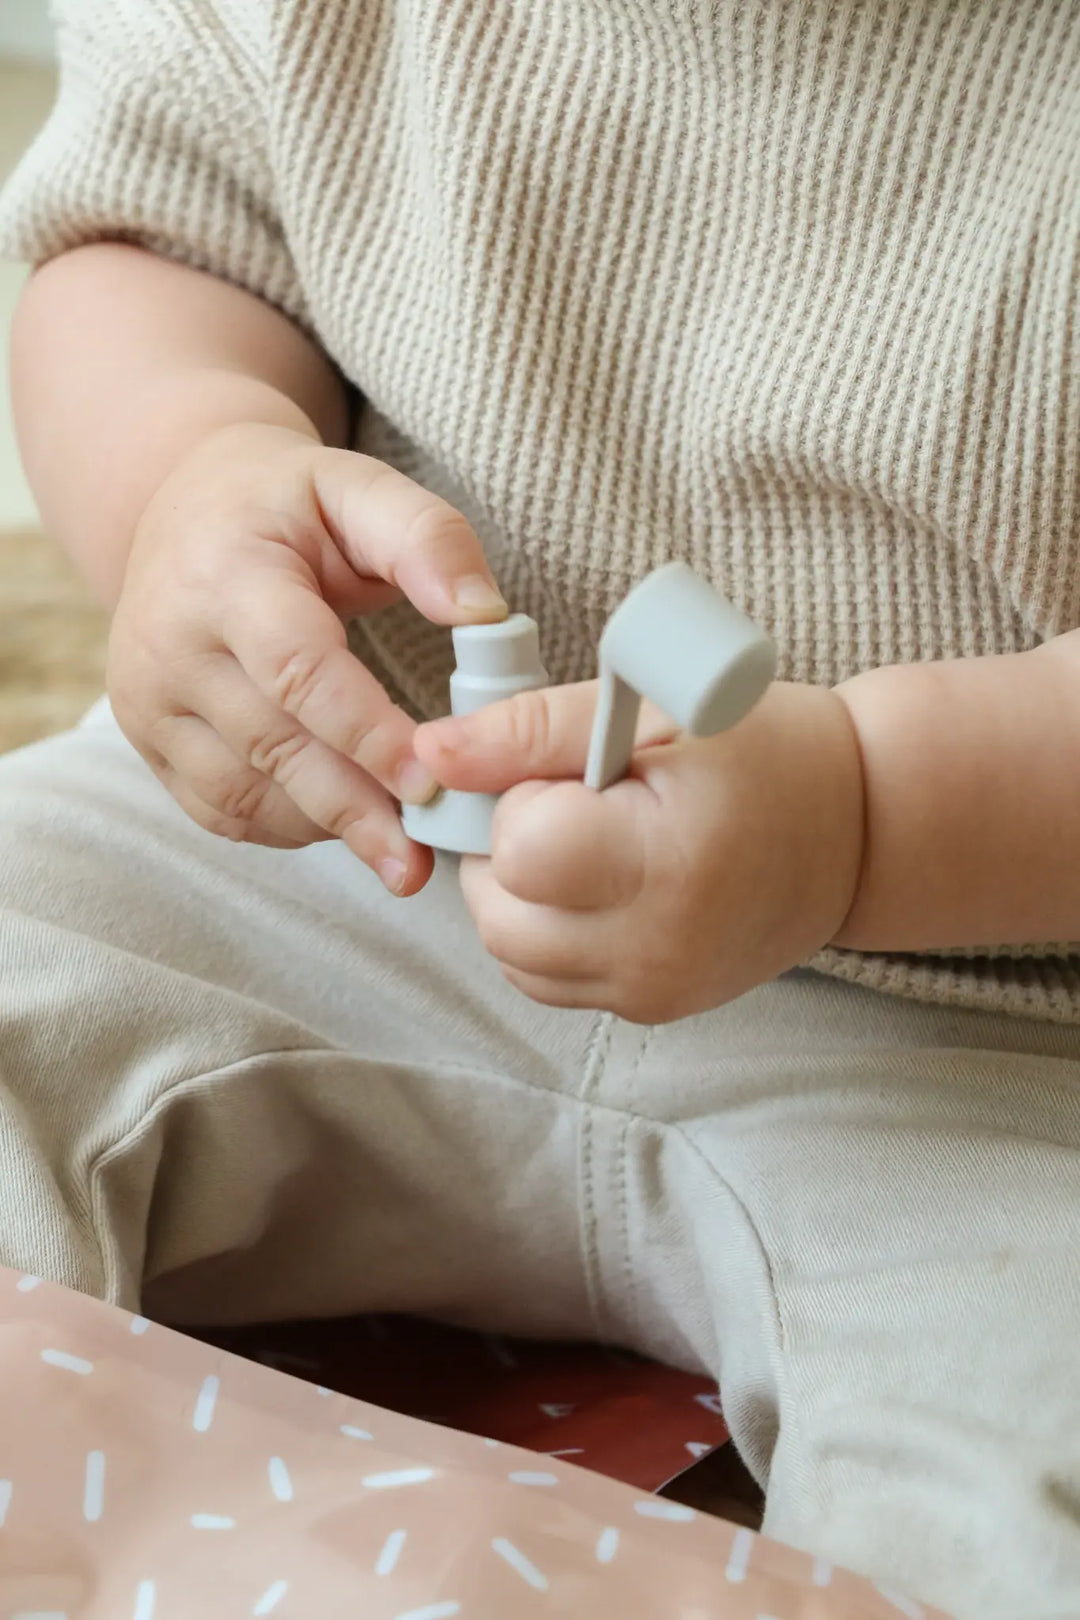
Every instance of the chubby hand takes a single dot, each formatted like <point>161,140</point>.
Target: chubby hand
<point>229,668</point>
<point>714,866</point>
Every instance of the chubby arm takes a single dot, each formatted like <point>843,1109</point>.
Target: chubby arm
<point>971,772</point>
<point>122,363</point>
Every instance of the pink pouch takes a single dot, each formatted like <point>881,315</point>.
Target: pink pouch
<point>147,1476</point>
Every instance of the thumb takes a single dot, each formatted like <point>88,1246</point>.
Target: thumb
<point>535,734</point>
<point>390,528</point>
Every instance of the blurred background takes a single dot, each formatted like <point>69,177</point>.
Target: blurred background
<point>52,636</point>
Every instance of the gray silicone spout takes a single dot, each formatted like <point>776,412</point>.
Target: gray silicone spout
<point>677,642</point>
<point>493,661</point>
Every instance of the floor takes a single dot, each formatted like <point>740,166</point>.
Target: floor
<point>52,636</point>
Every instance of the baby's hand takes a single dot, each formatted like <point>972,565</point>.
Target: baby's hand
<point>715,866</point>
<point>228,664</point>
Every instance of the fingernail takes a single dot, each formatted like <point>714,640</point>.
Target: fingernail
<point>392,873</point>
<point>415,784</point>
<point>476,595</point>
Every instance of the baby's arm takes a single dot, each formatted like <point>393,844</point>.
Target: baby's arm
<point>972,782</point>
<point>174,428</point>
<point>122,362</point>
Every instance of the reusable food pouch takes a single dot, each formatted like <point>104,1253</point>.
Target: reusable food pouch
<point>147,1476</point>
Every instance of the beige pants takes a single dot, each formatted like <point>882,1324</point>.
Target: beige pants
<point>247,1084</point>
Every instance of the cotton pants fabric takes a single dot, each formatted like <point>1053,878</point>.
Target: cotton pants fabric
<point>240,1084</point>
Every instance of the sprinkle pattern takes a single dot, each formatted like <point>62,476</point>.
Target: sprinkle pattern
<point>390,1552</point>
<point>69,1363</point>
<point>204,1406</point>
<point>397,1477</point>
<point>271,1598</point>
<point>145,1601</point>
<point>94,1492</point>
<point>280,1481</point>
<point>165,1446</point>
<point>607,1544</point>
<point>520,1564</point>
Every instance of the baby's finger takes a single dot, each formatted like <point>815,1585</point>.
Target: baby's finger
<point>535,734</point>
<point>538,940</point>
<point>327,787</point>
<point>293,647</point>
<point>238,791</point>
<point>560,844</point>
<point>237,794</point>
<point>389,526</point>
<point>238,831</point>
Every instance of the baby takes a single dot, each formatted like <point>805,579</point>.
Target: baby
<point>358,319</point>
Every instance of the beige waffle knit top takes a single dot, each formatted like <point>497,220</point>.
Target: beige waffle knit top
<point>787,288</point>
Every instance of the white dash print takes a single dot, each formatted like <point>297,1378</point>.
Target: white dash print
<point>351,1432</point>
<point>430,1611</point>
<point>822,1575</point>
<point>28,1283</point>
<point>212,1521</point>
<point>399,1476</point>
<point>903,1604</point>
<point>386,1563</point>
<point>145,1600</point>
<point>280,1482</point>
<point>60,1358</point>
<point>520,1564</point>
<point>271,1598</point>
<point>204,1406</point>
<point>321,1389</point>
<point>655,1507</point>
<point>6,1489</point>
<point>529,1476</point>
<point>739,1560</point>
<point>139,1325</point>
<point>567,1451</point>
<point>607,1544</point>
<point>94,1490</point>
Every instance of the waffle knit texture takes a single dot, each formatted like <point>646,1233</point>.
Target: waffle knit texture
<point>784,288</point>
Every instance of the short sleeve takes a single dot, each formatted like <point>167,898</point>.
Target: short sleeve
<point>158,137</point>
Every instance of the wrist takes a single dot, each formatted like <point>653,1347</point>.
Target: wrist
<point>836,801</point>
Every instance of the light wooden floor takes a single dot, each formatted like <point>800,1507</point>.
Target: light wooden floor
<point>52,641</point>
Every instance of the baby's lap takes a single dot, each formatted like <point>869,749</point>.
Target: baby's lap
<point>908,1178</point>
<point>880,1139</point>
<point>113,902</point>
